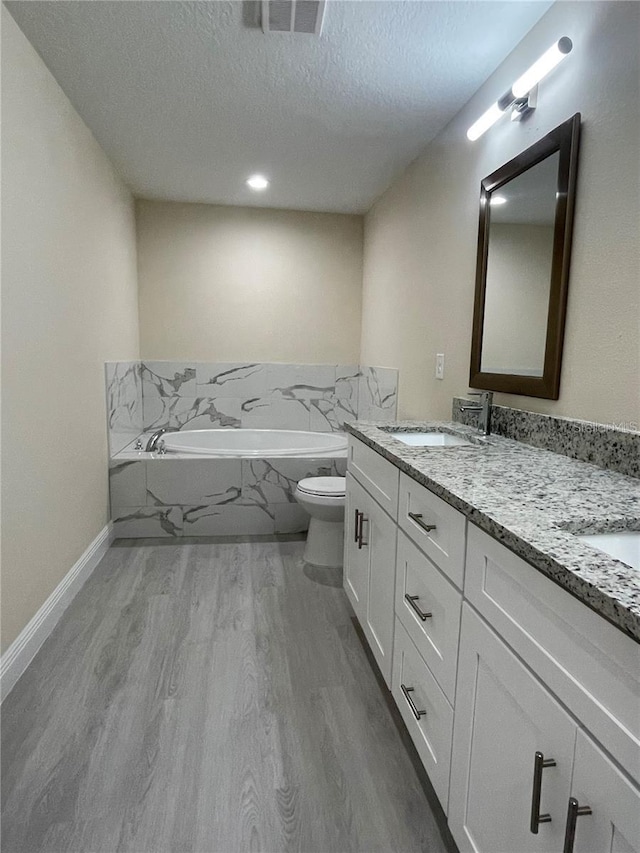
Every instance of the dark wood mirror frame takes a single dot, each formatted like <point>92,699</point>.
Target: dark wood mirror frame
<point>564,139</point>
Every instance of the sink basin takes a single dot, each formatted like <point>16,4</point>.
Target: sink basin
<point>429,439</point>
<point>623,545</point>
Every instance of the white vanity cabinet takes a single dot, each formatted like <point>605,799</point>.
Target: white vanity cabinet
<point>370,549</point>
<point>523,704</point>
<point>504,716</point>
<point>614,823</point>
<point>406,600</point>
<point>563,669</point>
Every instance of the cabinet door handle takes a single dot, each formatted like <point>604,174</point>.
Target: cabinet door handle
<point>417,517</point>
<point>360,526</point>
<point>412,602</point>
<point>539,763</point>
<point>407,691</point>
<point>574,811</point>
<point>356,525</point>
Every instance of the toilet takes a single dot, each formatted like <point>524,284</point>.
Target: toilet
<point>324,499</point>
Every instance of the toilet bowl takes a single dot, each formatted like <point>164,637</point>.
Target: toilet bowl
<point>324,499</point>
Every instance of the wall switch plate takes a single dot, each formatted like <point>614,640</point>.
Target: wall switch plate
<point>440,365</point>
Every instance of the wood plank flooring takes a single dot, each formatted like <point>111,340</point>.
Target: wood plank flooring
<point>209,697</point>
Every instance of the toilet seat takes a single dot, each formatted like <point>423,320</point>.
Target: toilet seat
<point>327,487</point>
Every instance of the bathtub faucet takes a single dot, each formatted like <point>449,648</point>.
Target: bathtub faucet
<point>152,444</point>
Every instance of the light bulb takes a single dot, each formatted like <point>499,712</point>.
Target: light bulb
<point>257,182</point>
<point>542,67</point>
<point>484,122</point>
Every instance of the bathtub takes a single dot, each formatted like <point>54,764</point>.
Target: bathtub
<point>256,443</point>
<point>213,482</point>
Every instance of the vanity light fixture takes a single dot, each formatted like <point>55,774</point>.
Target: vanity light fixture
<point>257,182</point>
<point>519,94</point>
<point>497,199</point>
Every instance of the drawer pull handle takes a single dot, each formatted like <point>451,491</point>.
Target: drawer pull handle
<point>574,811</point>
<point>539,763</point>
<point>356,526</point>
<point>412,601</point>
<point>417,517</point>
<point>407,691</point>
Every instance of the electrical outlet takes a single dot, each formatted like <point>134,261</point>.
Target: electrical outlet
<point>440,365</point>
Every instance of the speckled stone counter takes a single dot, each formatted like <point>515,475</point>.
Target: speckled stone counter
<point>532,501</point>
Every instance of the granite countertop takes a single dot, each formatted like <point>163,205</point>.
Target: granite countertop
<point>532,501</point>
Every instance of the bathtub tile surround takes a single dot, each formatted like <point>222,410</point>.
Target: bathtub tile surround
<point>142,521</point>
<point>208,497</point>
<point>377,394</point>
<point>168,379</point>
<point>616,448</point>
<point>145,396</point>
<point>193,481</point>
<point>176,412</point>
<point>123,381</point>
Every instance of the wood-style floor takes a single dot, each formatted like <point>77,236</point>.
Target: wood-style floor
<point>212,697</point>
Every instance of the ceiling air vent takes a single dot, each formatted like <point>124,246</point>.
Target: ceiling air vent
<point>293,16</point>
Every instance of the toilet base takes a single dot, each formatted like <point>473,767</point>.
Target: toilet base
<point>325,543</point>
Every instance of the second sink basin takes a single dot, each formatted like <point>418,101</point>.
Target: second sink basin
<point>623,545</point>
<point>429,439</point>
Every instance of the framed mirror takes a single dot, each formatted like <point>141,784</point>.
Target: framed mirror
<point>522,272</point>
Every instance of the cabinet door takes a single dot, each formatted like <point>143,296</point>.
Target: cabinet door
<point>355,554</point>
<point>503,717</point>
<point>614,823</point>
<point>379,535</point>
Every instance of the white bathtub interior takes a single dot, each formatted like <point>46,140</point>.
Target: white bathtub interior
<point>254,443</point>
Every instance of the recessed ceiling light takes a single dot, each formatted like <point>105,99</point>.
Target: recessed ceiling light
<point>257,182</point>
<point>498,199</point>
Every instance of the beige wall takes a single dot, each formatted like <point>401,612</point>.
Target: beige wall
<point>238,284</point>
<point>420,237</point>
<point>68,304</point>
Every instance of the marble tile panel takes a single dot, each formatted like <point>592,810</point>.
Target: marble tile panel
<point>267,481</point>
<point>290,518</point>
<point>278,410</point>
<point>124,403</point>
<point>330,414</point>
<point>241,381</point>
<point>347,382</point>
<point>301,381</point>
<point>191,413</point>
<point>146,521</point>
<point>169,379</point>
<point>193,481</point>
<point>128,483</point>
<point>227,520</point>
<point>377,394</point>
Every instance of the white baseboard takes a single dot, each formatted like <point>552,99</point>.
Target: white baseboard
<point>26,645</point>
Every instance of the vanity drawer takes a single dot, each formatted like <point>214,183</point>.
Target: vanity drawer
<point>432,731</point>
<point>444,543</point>
<point>590,665</point>
<point>378,476</point>
<point>436,636</point>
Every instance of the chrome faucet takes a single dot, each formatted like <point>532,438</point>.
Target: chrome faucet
<point>486,400</point>
<point>152,444</point>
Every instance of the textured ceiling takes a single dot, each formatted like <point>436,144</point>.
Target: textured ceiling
<point>188,99</point>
